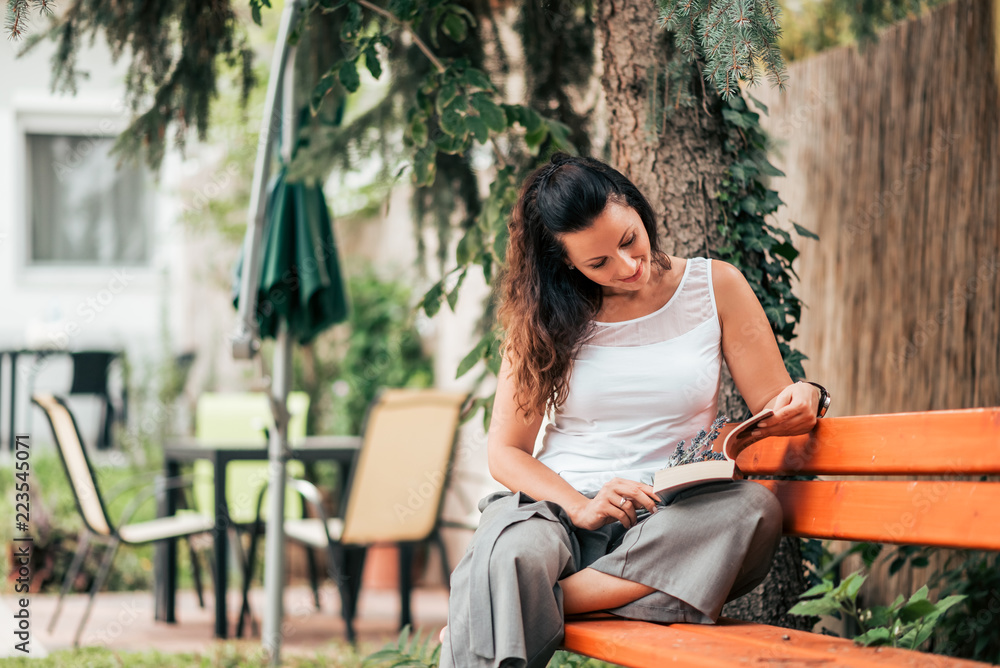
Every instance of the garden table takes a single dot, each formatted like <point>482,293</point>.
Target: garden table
<point>340,449</point>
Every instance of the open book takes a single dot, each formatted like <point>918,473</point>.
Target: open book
<point>668,482</point>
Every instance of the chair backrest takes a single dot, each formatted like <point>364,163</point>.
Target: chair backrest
<point>76,462</point>
<point>239,418</point>
<point>401,472</point>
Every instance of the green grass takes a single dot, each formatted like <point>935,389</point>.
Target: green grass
<point>224,656</point>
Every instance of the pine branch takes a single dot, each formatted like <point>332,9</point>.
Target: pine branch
<point>17,18</point>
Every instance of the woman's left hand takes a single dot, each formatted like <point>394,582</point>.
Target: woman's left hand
<point>795,410</point>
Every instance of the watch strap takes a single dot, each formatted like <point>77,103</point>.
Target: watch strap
<point>824,398</point>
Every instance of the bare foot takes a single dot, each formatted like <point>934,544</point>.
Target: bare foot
<point>441,636</point>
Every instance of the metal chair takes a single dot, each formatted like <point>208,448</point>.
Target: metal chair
<point>93,510</point>
<point>395,493</point>
<point>91,376</point>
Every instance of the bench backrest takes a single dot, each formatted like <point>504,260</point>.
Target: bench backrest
<point>944,513</point>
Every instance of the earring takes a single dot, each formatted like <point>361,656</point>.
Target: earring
<point>571,267</point>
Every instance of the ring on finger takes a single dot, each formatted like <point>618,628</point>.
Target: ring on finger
<point>621,504</point>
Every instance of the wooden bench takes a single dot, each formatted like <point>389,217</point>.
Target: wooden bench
<point>934,512</point>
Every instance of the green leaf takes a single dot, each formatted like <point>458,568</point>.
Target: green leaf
<point>454,27</point>
<point>372,62</point>
<point>320,91</point>
<point>493,361</point>
<point>513,113</point>
<point>349,76</point>
<point>821,588</point>
<point>446,94</point>
<point>815,607</point>
<point>735,118</point>
<point>418,131</point>
<point>560,136</point>
<point>805,232</point>
<point>474,355</point>
<point>911,612</point>
<point>785,250</point>
<point>775,315</point>
<point>919,636</point>
<point>425,168</point>
<point>453,295</point>
<point>452,144</point>
<point>919,595</point>
<point>500,244</point>
<point>477,79</point>
<point>477,127</point>
<point>352,23</point>
<point>468,246</point>
<point>849,586</point>
<point>530,119</point>
<point>452,120</point>
<point>490,112</point>
<point>878,616</point>
<point>255,6</point>
<point>760,105</point>
<point>431,303</point>
<point>534,139</point>
<point>768,169</point>
<point>949,601</point>
<point>738,174</point>
<point>873,637</point>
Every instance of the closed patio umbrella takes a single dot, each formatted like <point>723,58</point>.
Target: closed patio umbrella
<point>300,280</point>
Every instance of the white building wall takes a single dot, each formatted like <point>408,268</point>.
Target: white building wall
<point>71,307</point>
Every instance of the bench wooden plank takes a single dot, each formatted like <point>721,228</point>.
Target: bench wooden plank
<point>940,513</point>
<point>845,651</point>
<point>953,442</point>
<point>638,644</point>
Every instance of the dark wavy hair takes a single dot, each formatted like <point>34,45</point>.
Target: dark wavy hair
<point>547,309</point>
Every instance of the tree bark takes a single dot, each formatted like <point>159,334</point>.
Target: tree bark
<point>677,159</point>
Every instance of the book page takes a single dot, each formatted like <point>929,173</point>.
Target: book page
<point>741,435</point>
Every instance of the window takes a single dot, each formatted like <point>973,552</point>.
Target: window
<point>84,210</point>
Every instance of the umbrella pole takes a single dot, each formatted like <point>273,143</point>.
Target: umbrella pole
<point>278,453</point>
<point>274,551</point>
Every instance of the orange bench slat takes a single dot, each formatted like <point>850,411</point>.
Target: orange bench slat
<point>953,442</point>
<point>843,651</point>
<point>730,643</point>
<point>939,513</point>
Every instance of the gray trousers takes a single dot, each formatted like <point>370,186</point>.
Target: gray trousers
<point>712,544</point>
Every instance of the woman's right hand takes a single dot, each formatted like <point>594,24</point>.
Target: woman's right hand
<point>617,501</point>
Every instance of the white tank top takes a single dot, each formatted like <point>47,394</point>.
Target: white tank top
<point>638,387</point>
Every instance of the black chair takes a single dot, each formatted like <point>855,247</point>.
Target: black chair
<point>91,373</point>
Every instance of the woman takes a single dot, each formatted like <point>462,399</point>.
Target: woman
<point>624,345</point>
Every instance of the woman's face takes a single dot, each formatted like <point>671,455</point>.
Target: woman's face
<point>613,251</point>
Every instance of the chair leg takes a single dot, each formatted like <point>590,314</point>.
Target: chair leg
<point>313,576</point>
<point>102,575</point>
<point>438,540</point>
<point>196,574</point>
<point>405,582</point>
<point>248,568</point>
<point>341,569</point>
<point>83,546</point>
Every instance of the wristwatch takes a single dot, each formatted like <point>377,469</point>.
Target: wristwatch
<point>824,398</point>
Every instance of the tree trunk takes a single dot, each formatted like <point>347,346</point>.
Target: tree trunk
<point>676,158</point>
